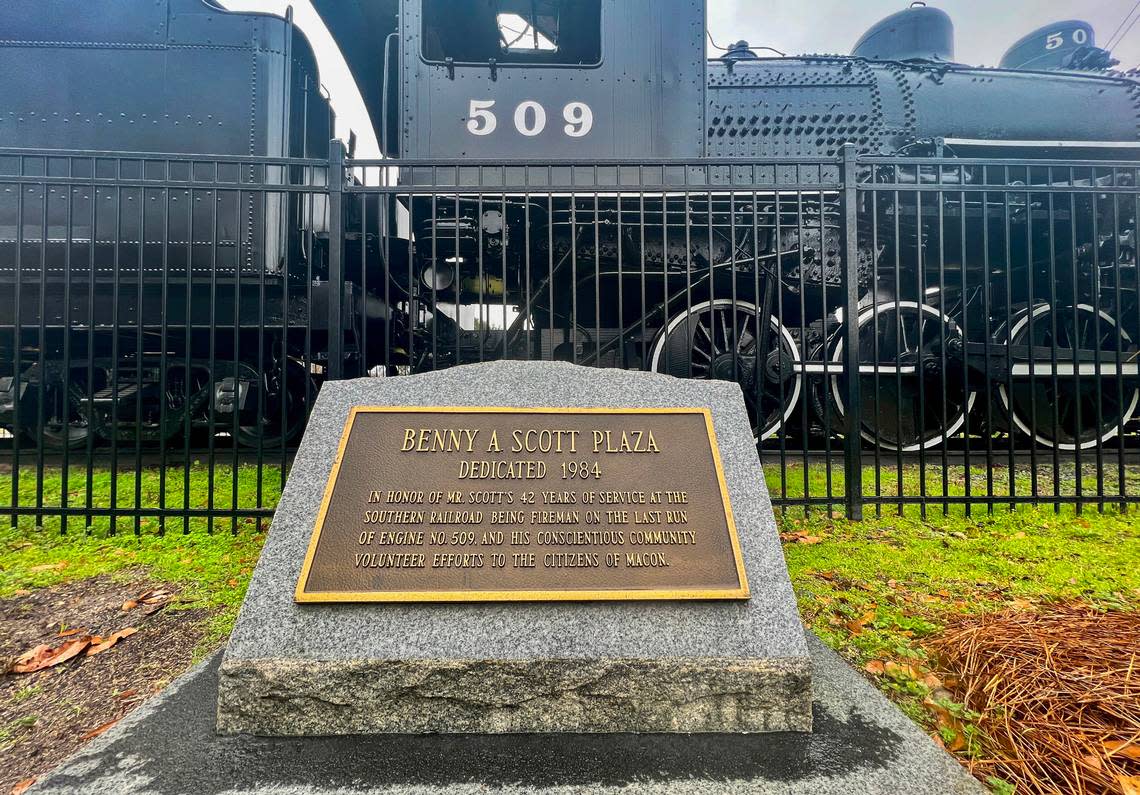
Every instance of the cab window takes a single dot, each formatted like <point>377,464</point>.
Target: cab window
<point>556,32</point>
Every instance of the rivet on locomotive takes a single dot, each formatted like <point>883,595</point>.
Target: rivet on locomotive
<point>603,277</point>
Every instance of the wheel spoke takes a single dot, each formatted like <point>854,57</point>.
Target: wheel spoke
<point>701,328</point>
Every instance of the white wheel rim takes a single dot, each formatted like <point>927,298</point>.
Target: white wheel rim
<point>837,357</point>
<point>1024,427</point>
<point>794,396</point>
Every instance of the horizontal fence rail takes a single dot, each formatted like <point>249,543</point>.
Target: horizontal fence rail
<point>959,334</point>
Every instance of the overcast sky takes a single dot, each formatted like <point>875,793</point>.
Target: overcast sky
<point>984,29</point>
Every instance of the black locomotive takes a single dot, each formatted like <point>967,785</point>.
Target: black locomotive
<point>611,276</point>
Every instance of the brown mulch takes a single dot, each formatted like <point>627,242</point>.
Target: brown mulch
<point>1059,692</point>
<point>45,716</point>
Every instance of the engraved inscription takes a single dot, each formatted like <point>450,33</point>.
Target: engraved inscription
<point>456,504</point>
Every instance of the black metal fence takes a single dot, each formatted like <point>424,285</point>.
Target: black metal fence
<point>935,332</point>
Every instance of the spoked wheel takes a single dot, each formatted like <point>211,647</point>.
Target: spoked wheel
<point>918,398</point>
<point>270,405</point>
<point>1071,410</point>
<point>718,340</point>
<point>66,423</point>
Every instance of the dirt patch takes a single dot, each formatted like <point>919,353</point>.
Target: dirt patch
<point>47,715</point>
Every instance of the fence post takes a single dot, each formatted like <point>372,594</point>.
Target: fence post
<point>852,442</point>
<point>336,260</point>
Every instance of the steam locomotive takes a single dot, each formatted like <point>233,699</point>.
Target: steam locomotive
<point>153,295</point>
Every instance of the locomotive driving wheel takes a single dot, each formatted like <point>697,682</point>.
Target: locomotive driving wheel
<point>66,422</point>
<point>1078,409</point>
<point>916,397</point>
<point>718,340</point>
<point>270,406</point>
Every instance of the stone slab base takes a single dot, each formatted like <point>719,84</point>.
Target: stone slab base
<point>509,667</point>
<point>304,697</point>
<point>860,743</point>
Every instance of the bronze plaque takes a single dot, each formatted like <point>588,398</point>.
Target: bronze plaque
<point>497,504</point>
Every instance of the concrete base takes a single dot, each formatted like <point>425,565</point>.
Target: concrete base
<point>860,744</point>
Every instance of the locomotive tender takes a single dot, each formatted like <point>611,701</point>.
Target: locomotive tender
<point>712,278</point>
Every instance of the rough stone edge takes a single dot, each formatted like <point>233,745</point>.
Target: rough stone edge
<point>292,697</point>
<point>837,677</point>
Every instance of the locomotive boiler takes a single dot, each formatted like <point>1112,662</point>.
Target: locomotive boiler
<point>679,258</point>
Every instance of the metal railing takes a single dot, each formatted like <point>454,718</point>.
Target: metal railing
<point>906,331</point>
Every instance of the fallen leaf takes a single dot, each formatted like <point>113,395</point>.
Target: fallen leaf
<point>127,693</point>
<point>856,625</point>
<point>1129,784</point>
<point>67,633</point>
<point>946,721</point>
<point>1093,762</point>
<point>808,540</point>
<point>875,667</point>
<point>99,729</point>
<point>902,671</point>
<point>932,681</point>
<point>44,656</point>
<point>1125,748</point>
<point>111,640</point>
<point>154,597</point>
<point>49,566</point>
<point>940,712</point>
<point>22,786</point>
<point>1021,604</point>
<point>130,604</point>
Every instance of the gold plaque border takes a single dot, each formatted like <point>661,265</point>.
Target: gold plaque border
<point>305,597</point>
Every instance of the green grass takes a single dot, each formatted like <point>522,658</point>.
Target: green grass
<point>245,487</point>
<point>210,564</point>
<point>872,590</point>
<point>966,487</point>
<point>10,733</point>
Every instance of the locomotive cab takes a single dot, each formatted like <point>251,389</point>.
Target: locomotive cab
<point>542,79</point>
